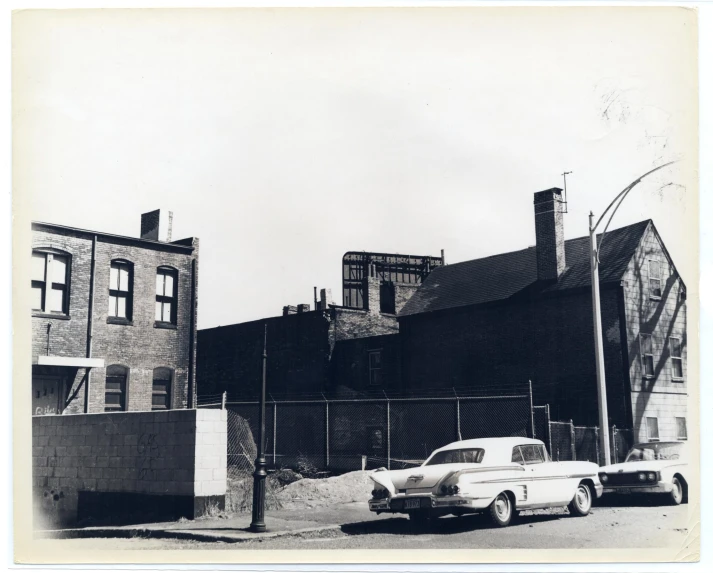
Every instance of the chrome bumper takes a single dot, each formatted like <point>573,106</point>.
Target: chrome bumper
<point>436,502</point>
<point>660,487</point>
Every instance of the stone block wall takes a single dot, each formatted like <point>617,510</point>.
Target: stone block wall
<point>128,466</point>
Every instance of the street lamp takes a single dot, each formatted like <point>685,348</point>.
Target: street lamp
<point>258,522</point>
<point>597,312</point>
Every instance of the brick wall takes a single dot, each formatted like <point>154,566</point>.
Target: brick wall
<point>140,346</point>
<point>658,396</point>
<point>175,459</point>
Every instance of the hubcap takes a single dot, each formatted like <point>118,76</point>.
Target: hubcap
<point>677,490</point>
<point>502,507</point>
<point>583,497</point>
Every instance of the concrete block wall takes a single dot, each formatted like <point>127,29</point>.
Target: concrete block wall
<point>132,462</point>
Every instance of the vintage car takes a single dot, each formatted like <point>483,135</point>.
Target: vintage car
<point>500,476</point>
<point>653,467</point>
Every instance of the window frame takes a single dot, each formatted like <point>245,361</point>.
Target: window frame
<point>128,295</point>
<point>374,369</point>
<point>123,392</point>
<point>163,298</point>
<point>539,448</point>
<point>674,377</point>
<point>642,336</point>
<point>657,438</point>
<point>169,391</point>
<point>678,428</point>
<point>659,279</point>
<point>48,284</point>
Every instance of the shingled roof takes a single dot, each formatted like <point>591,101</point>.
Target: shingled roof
<point>504,276</point>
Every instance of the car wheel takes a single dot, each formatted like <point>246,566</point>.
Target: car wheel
<point>676,495</point>
<point>581,502</point>
<point>501,510</point>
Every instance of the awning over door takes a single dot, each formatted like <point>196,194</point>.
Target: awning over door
<point>70,361</point>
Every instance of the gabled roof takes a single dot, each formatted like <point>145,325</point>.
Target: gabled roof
<point>501,277</point>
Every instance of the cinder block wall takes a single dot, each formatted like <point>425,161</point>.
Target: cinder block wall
<point>128,466</point>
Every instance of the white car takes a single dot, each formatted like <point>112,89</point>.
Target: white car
<point>654,467</point>
<point>498,475</point>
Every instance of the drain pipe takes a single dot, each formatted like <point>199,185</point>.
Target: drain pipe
<point>90,322</point>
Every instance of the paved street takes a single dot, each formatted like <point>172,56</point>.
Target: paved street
<point>610,526</point>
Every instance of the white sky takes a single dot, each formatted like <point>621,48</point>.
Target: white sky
<point>284,138</point>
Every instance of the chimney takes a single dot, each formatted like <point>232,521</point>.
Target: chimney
<point>156,225</point>
<point>549,234</point>
<point>325,296</point>
<point>289,309</point>
<point>302,308</point>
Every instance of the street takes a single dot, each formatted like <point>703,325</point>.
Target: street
<point>612,526</point>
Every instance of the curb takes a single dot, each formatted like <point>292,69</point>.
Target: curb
<point>185,534</point>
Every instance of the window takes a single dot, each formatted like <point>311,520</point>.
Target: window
<point>166,285</point>
<point>115,389</point>
<point>681,432</point>
<point>375,368</point>
<point>120,290</point>
<point>674,344</point>
<point>461,456</point>
<point>654,279</point>
<point>652,429</point>
<point>161,394</point>
<point>647,354</point>
<point>528,454</point>
<point>50,276</point>
<point>517,456</point>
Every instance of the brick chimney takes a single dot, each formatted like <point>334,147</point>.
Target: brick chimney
<point>325,296</point>
<point>156,225</point>
<point>372,290</point>
<point>549,234</point>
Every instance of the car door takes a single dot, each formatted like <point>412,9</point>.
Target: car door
<point>553,487</point>
<point>539,490</point>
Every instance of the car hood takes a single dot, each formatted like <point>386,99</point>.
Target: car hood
<point>422,476</point>
<point>642,466</point>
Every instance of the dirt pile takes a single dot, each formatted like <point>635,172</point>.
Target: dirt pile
<point>346,488</point>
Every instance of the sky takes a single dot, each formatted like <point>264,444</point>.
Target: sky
<point>284,138</point>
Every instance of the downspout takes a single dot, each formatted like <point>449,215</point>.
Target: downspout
<point>194,333</point>
<point>626,366</point>
<point>90,322</point>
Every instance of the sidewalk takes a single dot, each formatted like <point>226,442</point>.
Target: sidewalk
<point>234,528</point>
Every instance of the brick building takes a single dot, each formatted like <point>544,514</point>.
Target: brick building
<point>527,315</point>
<point>113,319</point>
<point>330,348</point>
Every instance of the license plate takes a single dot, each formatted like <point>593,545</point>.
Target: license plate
<point>623,490</point>
<point>412,504</point>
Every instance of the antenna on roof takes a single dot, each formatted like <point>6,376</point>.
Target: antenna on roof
<point>564,201</point>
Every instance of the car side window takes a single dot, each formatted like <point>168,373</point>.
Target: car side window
<point>517,456</point>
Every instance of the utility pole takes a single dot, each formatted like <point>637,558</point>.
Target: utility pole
<point>258,522</point>
<point>595,249</point>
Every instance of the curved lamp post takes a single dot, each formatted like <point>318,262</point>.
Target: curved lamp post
<point>596,310</point>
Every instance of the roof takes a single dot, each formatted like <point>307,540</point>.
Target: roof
<point>507,442</point>
<point>501,277</point>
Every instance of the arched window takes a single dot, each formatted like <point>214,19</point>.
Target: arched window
<point>162,385</point>
<point>50,281</point>
<point>166,295</point>
<point>121,287</point>
<point>115,391</point>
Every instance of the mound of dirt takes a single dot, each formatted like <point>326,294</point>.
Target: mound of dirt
<point>346,488</point>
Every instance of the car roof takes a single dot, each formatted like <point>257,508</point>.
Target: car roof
<point>485,443</point>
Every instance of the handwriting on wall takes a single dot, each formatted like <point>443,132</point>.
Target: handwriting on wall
<point>45,411</point>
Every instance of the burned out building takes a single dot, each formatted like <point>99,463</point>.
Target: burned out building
<point>113,319</point>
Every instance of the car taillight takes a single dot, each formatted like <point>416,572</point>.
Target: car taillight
<point>444,489</point>
<point>379,493</point>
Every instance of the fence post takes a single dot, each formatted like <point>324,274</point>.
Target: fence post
<point>459,436</point>
<point>326,431</point>
<point>596,444</point>
<point>388,434</point>
<point>574,445</point>
<point>274,434</point>
<point>532,413</point>
<point>549,428</point>
<point>223,400</point>
<point>614,444</point>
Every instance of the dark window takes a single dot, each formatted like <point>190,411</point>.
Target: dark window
<point>655,279</point>
<point>120,289</point>
<point>530,454</point>
<point>647,354</point>
<point>652,429</point>
<point>115,390</point>
<point>676,358</point>
<point>375,367</point>
<point>50,277</point>
<point>166,295</point>
<point>681,431</point>
<point>161,394</point>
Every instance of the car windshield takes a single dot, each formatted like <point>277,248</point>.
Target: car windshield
<point>463,456</point>
<point>648,452</point>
